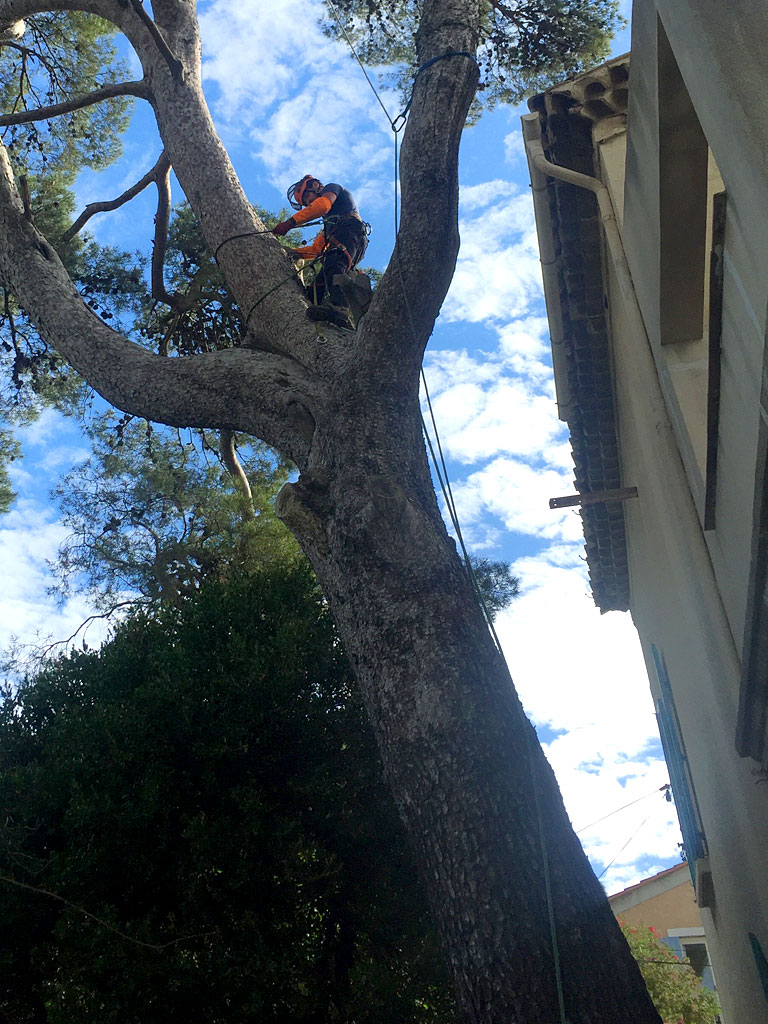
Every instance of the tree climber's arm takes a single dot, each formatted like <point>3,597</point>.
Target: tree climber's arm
<point>319,207</point>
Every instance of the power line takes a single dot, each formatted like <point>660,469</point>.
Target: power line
<point>662,789</point>
<point>611,862</point>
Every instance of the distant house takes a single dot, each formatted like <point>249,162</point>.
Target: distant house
<point>650,185</point>
<point>667,903</point>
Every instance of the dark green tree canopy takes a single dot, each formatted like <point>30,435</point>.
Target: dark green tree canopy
<point>525,45</point>
<point>201,818</point>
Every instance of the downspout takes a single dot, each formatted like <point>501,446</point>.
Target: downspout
<point>541,167</point>
<point>548,263</point>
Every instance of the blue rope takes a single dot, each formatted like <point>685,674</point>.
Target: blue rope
<point>401,117</point>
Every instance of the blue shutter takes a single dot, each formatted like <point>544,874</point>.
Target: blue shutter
<point>679,771</point>
<point>674,944</point>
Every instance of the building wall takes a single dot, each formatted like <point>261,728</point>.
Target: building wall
<point>746,261</point>
<point>676,607</point>
<point>698,124</point>
<point>689,587</point>
<point>668,904</point>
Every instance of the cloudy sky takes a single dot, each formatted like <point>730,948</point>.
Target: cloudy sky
<point>289,101</point>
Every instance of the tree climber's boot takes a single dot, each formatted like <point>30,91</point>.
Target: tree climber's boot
<point>334,309</point>
<point>338,316</point>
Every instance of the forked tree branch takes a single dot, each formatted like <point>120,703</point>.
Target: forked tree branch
<point>113,204</point>
<point>234,466</point>
<point>162,222</point>
<point>175,65</point>
<point>140,89</point>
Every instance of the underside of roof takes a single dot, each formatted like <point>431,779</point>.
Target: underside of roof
<point>567,115</point>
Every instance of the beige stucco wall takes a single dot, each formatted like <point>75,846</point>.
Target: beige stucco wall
<point>688,590</point>
<point>668,904</point>
<point>690,587</point>
<point>719,77</point>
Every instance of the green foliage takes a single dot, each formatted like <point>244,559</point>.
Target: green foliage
<point>674,986</point>
<point>61,55</point>
<point>498,587</point>
<point>153,512</point>
<point>9,451</point>
<point>525,45</point>
<point>202,797</point>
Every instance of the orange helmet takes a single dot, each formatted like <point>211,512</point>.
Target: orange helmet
<point>296,191</point>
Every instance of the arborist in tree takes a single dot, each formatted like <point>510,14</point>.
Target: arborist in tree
<point>341,245</point>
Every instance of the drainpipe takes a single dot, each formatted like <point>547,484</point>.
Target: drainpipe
<point>541,167</point>
<point>548,262</point>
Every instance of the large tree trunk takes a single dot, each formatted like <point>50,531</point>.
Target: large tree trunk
<point>477,796</point>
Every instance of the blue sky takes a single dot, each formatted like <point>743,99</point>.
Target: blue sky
<point>288,101</point>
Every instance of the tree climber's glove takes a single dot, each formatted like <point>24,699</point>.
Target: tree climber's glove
<point>284,227</point>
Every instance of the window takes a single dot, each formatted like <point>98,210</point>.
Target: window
<point>691,943</point>
<point>691,238</point>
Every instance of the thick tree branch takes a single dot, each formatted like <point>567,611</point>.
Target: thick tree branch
<point>255,267</point>
<point>12,11</point>
<point>275,398</point>
<point>144,37</point>
<point>113,204</point>
<point>409,297</point>
<point>139,89</point>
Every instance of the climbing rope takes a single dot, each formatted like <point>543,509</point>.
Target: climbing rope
<point>232,238</point>
<point>291,277</point>
<point>250,234</point>
<point>397,124</point>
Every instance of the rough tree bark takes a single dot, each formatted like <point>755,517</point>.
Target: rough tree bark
<point>472,785</point>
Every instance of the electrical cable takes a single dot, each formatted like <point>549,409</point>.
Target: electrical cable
<point>662,789</point>
<point>610,863</point>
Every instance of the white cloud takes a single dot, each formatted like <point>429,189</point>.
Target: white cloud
<point>518,495</point>
<point>514,150</point>
<point>498,277</point>
<point>45,432</point>
<point>506,417</point>
<point>254,52</point>
<point>332,131</point>
<point>582,675</point>
<point>29,536</point>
